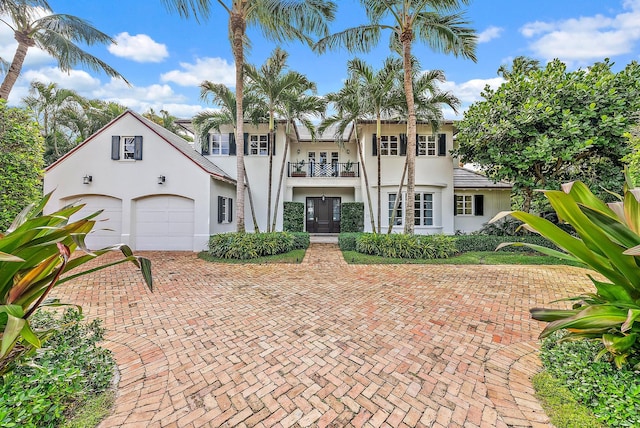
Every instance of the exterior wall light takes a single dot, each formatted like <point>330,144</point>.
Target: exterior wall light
<point>87,179</point>
<point>161,179</point>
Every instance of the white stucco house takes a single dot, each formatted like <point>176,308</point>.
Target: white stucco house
<point>159,192</point>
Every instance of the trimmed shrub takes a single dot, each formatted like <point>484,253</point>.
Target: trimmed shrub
<point>300,240</point>
<point>467,243</point>
<point>68,369</point>
<point>293,217</point>
<point>347,241</point>
<point>406,246</point>
<point>242,246</point>
<point>352,218</point>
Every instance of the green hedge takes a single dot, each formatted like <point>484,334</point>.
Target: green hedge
<point>352,218</point>
<point>400,245</point>
<point>300,240</point>
<point>347,241</point>
<point>293,217</point>
<point>467,243</point>
<point>242,246</point>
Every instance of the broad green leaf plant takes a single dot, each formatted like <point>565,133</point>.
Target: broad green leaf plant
<point>35,256</point>
<point>608,241</point>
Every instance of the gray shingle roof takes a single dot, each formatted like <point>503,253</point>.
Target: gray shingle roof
<point>467,179</point>
<point>184,147</point>
<point>328,135</point>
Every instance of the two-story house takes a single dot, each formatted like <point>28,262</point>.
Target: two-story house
<point>160,192</point>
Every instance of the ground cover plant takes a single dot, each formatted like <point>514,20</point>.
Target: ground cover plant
<point>246,246</point>
<point>69,369</point>
<point>612,394</point>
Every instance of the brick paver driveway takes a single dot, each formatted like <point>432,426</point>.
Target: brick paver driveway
<point>323,343</point>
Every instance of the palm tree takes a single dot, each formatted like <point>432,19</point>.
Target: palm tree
<point>280,20</point>
<point>255,112</point>
<point>48,103</point>
<point>380,97</point>
<point>434,22</point>
<point>270,82</point>
<point>297,106</point>
<point>53,33</point>
<point>349,110</point>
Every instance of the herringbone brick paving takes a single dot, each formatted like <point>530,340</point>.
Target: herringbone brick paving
<point>323,343</point>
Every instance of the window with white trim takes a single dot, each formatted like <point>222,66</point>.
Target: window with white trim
<point>423,209</point>
<point>464,204</point>
<point>219,144</point>
<point>389,145</point>
<point>225,209</point>
<point>426,145</point>
<point>258,144</point>
<point>128,148</point>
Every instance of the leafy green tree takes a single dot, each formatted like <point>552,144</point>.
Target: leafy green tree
<point>280,20</point>
<point>167,121</point>
<point>633,158</point>
<point>21,162</point>
<point>56,34</point>
<point>543,127</point>
<point>438,23</point>
<point>270,83</point>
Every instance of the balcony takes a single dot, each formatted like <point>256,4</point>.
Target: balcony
<point>336,169</point>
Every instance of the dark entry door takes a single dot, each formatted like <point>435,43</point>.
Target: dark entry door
<point>323,215</point>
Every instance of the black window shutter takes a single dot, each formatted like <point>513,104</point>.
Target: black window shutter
<point>115,147</point>
<point>206,145</point>
<point>232,144</point>
<point>403,144</point>
<point>137,147</point>
<point>455,206</point>
<point>246,143</point>
<point>220,209</point>
<point>374,145</point>
<point>230,204</point>
<point>417,146</point>
<point>442,144</point>
<point>478,204</point>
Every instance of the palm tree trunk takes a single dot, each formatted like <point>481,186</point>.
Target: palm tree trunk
<point>366,178</point>
<point>282,166</point>
<point>256,228</point>
<point>396,203</point>
<point>24,43</point>
<point>409,214</point>
<point>238,26</point>
<point>378,132</point>
<point>272,137</point>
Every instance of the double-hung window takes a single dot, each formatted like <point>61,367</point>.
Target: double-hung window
<point>426,145</point>
<point>258,144</point>
<point>389,145</point>
<point>424,209</point>
<point>219,144</point>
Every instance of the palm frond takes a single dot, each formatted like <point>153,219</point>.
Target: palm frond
<point>450,34</point>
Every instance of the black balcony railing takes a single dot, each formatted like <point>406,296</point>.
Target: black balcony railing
<point>314,169</point>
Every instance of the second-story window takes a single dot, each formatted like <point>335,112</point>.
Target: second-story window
<point>219,144</point>
<point>426,145</point>
<point>389,145</point>
<point>258,145</point>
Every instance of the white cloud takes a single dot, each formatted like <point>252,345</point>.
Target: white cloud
<point>489,34</point>
<point>468,93</point>
<point>139,48</point>
<point>587,37</point>
<point>216,70</point>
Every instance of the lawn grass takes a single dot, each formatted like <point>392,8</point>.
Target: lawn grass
<point>470,258</point>
<point>294,256</point>
<point>92,411</point>
<point>558,403</point>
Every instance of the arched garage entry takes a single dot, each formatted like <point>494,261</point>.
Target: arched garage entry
<point>108,228</point>
<point>164,222</point>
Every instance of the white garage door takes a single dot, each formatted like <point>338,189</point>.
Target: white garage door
<point>108,228</point>
<point>164,223</point>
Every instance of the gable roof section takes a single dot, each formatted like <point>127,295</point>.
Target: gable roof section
<point>467,179</point>
<point>177,142</point>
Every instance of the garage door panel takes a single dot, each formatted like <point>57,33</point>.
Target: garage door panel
<point>164,223</point>
<point>108,228</point>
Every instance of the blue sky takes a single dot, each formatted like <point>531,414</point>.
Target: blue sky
<point>165,57</point>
